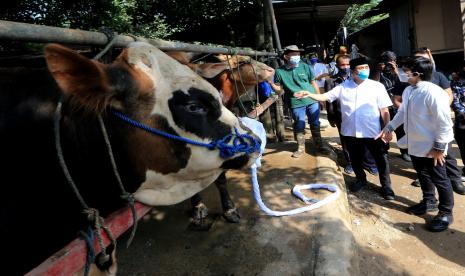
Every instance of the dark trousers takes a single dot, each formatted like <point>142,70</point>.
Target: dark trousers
<point>452,169</point>
<point>377,149</point>
<point>460,139</point>
<point>432,178</point>
<point>399,134</point>
<point>368,160</point>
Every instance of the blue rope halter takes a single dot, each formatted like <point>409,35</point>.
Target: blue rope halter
<point>228,146</point>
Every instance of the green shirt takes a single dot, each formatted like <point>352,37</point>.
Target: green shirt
<point>296,79</point>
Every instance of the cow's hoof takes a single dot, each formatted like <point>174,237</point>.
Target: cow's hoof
<point>203,224</point>
<point>232,215</point>
<point>200,219</point>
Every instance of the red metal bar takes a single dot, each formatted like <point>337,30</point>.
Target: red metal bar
<point>72,257</point>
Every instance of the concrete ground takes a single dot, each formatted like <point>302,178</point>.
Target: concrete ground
<point>318,242</point>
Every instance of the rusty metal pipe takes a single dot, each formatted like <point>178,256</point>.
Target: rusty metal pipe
<point>44,34</point>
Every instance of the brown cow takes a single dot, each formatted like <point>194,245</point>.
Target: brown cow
<point>233,76</point>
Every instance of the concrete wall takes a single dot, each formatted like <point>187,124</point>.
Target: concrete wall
<point>438,25</point>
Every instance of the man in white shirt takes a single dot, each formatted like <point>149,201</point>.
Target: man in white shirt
<point>425,114</point>
<point>364,103</point>
<point>321,72</point>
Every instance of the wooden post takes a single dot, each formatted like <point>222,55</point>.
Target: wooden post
<point>270,25</point>
<point>462,9</point>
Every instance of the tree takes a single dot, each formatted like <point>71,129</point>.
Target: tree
<point>147,18</point>
<point>353,18</point>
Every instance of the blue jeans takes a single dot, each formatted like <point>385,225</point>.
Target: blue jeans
<point>313,114</point>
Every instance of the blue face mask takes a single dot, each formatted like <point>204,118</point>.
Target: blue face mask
<point>363,74</point>
<point>294,60</point>
<point>344,72</point>
<point>313,60</point>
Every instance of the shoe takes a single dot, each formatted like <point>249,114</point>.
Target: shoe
<point>357,185</point>
<point>416,183</point>
<point>422,208</point>
<point>348,169</point>
<point>458,187</point>
<point>387,193</point>
<point>373,170</point>
<point>406,157</point>
<point>440,222</point>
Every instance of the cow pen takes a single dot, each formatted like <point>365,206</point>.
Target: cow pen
<point>71,258</point>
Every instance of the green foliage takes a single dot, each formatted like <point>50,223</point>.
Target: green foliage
<point>147,18</point>
<point>352,20</point>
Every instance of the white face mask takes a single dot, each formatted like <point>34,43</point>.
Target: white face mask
<point>294,60</point>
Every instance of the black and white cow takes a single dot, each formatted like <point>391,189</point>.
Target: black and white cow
<point>39,213</point>
<point>233,76</point>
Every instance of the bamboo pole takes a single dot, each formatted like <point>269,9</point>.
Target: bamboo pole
<point>44,34</point>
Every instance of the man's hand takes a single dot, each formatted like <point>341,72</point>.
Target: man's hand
<point>301,94</point>
<point>385,135</point>
<point>438,157</point>
<point>394,67</point>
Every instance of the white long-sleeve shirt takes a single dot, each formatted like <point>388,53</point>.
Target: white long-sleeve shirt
<point>425,113</point>
<point>360,107</point>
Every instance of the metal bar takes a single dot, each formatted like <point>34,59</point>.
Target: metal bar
<point>38,33</point>
<point>72,258</point>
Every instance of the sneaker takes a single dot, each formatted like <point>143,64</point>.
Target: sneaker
<point>357,185</point>
<point>406,157</point>
<point>416,183</point>
<point>348,169</point>
<point>422,208</point>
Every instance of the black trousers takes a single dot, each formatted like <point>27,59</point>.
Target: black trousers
<point>432,178</point>
<point>399,134</point>
<point>377,149</point>
<point>460,139</point>
<point>452,169</point>
<point>368,160</point>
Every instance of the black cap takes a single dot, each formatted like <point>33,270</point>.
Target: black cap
<point>357,61</point>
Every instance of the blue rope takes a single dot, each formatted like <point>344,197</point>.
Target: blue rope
<point>90,256</point>
<point>228,146</point>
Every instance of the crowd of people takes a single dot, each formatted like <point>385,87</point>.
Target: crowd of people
<point>408,97</point>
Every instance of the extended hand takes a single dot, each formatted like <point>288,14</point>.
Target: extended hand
<point>385,135</point>
<point>438,157</point>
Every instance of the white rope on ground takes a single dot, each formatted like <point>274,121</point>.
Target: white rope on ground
<point>257,128</point>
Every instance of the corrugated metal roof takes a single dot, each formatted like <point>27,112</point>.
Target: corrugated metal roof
<point>325,14</point>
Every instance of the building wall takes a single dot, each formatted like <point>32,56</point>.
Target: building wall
<point>438,25</point>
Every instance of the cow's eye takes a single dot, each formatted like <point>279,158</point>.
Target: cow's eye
<point>194,107</point>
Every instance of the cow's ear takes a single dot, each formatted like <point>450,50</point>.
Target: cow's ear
<point>74,73</point>
<point>210,70</point>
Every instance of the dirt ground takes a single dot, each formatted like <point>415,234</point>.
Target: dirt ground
<point>392,242</point>
<point>258,245</point>
<point>389,241</point>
